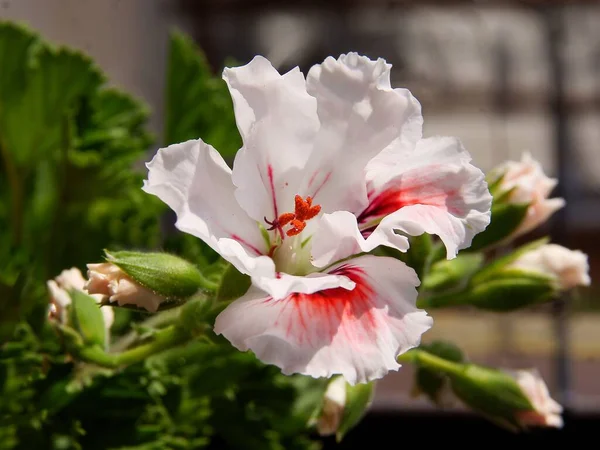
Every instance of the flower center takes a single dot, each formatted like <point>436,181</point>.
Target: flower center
<point>293,255</point>
<point>304,210</point>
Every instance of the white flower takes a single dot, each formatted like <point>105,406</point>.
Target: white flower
<point>547,412</point>
<point>108,280</point>
<point>330,168</point>
<point>569,267</point>
<point>530,185</point>
<point>334,404</point>
<point>59,287</point>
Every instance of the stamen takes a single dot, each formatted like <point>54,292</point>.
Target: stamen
<point>304,208</point>
<point>285,218</point>
<point>297,227</point>
<point>303,211</point>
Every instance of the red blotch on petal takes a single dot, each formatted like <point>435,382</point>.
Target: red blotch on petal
<point>412,192</point>
<point>319,317</point>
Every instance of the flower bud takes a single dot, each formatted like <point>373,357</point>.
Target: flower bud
<point>524,182</point>
<point>520,191</point>
<point>546,411</point>
<point>334,402</point>
<point>343,407</point>
<point>569,268</point>
<point>145,280</point>
<point>110,281</point>
<point>514,399</point>
<point>60,297</point>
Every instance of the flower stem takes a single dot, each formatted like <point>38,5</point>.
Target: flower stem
<point>429,360</point>
<point>209,285</point>
<point>161,340</point>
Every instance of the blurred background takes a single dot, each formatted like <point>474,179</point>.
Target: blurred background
<point>506,77</point>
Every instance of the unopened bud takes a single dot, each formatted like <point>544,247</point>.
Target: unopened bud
<point>144,280</point>
<point>334,402</point>
<point>60,290</point>
<point>569,268</point>
<point>514,399</point>
<point>110,281</point>
<point>525,182</point>
<point>546,411</point>
<point>520,190</point>
<point>343,407</point>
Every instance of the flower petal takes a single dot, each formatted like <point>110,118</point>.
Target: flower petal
<point>357,333</point>
<point>337,237</point>
<point>278,122</point>
<point>435,191</point>
<point>195,182</point>
<point>360,115</point>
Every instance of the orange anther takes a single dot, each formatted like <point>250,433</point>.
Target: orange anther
<point>297,227</point>
<point>303,211</point>
<point>304,208</point>
<point>285,218</point>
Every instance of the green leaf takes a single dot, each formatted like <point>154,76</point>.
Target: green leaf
<point>32,124</point>
<point>234,284</point>
<point>506,217</point>
<point>16,43</point>
<point>358,400</point>
<point>88,319</point>
<point>198,104</point>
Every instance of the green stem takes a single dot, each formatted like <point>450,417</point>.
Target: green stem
<point>429,360</point>
<point>161,340</point>
<point>16,192</point>
<point>209,285</point>
<point>155,321</point>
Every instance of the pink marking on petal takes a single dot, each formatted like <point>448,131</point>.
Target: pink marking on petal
<point>312,178</point>
<point>272,184</point>
<point>246,243</point>
<point>392,199</point>
<point>322,315</point>
<point>325,180</point>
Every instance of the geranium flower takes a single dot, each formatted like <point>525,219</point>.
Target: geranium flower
<point>331,167</point>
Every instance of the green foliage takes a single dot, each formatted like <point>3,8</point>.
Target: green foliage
<point>234,284</point>
<point>198,102</point>
<point>67,183</point>
<point>88,319</point>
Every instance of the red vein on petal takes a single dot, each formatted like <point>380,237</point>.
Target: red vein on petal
<point>325,180</point>
<point>272,184</point>
<point>246,243</point>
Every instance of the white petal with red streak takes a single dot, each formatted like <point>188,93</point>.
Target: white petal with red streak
<point>437,191</point>
<point>278,123</point>
<point>356,333</point>
<point>195,182</point>
<point>337,237</point>
<point>360,115</point>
